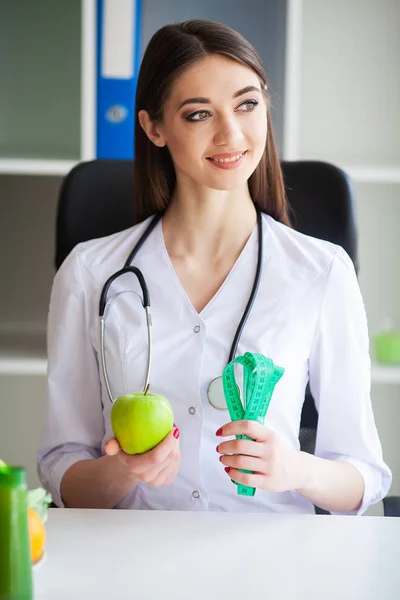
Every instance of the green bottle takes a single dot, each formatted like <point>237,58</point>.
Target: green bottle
<point>15,557</point>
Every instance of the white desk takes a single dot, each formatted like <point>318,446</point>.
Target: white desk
<point>114,555</point>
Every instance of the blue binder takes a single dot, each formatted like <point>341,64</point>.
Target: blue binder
<point>118,29</point>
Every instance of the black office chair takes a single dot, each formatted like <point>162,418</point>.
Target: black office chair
<point>96,199</point>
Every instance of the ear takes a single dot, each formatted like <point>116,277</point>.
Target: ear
<point>152,129</point>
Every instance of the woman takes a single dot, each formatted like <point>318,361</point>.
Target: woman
<point>205,156</point>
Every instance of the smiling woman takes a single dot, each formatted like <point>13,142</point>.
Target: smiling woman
<point>212,238</point>
<point>227,130</point>
<point>210,108</point>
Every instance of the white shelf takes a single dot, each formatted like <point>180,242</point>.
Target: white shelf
<point>385,374</point>
<point>373,174</point>
<point>23,366</point>
<point>22,354</point>
<point>16,166</point>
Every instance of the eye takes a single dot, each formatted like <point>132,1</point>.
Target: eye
<point>249,105</point>
<point>199,115</point>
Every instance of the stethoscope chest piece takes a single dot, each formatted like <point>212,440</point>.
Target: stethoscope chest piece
<point>215,394</point>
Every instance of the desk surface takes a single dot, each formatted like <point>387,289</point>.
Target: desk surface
<point>157,555</point>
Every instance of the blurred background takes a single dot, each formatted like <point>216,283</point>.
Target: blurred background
<point>333,68</point>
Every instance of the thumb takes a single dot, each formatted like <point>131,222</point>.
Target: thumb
<point>111,448</point>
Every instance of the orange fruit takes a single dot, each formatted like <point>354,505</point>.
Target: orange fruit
<point>37,535</point>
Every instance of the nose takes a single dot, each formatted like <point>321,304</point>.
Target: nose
<point>228,133</point>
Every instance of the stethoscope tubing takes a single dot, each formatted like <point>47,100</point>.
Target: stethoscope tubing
<point>127,268</point>
<point>257,279</point>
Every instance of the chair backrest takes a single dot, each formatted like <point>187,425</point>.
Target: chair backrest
<point>96,199</point>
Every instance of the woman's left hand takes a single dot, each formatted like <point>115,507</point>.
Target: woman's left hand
<point>276,466</point>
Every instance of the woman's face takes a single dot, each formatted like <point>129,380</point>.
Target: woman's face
<point>215,124</point>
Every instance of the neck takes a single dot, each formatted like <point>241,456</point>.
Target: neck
<point>211,227</point>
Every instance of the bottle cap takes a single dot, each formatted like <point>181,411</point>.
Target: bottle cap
<point>10,475</point>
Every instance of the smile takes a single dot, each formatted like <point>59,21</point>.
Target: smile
<point>228,163</point>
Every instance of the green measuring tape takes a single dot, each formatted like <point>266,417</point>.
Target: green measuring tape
<point>259,381</point>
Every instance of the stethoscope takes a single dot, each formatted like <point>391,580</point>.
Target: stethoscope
<point>215,392</point>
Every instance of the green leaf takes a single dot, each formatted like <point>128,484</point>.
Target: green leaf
<point>39,500</point>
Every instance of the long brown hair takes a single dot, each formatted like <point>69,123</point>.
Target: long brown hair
<point>171,50</point>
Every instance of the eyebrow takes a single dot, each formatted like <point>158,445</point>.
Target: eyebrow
<point>202,100</point>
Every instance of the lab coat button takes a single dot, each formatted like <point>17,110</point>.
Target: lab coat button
<point>192,410</point>
<point>196,329</point>
<point>196,494</point>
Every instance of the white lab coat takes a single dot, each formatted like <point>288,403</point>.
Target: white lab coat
<point>308,317</point>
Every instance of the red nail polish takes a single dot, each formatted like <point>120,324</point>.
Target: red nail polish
<point>219,432</point>
<point>176,433</point>
<point>217,448</point>
<point>227,469</point>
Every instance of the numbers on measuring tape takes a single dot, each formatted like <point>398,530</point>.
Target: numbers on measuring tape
<point>259,381</point>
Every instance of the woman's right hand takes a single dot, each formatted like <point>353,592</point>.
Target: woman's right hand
<point>156,467</point>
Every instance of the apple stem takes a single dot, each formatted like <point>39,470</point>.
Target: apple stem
<point>147,389</point>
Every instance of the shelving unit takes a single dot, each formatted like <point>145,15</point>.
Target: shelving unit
<point>47,126</point>
<point>341,106</point>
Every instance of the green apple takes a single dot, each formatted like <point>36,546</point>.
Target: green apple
<point>140,421</point>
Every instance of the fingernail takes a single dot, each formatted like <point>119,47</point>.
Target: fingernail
<point>217,448</point>
<point>105,448</point>
<point>176,433</point>
<point>227,469</point>
<point>219,432</point>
